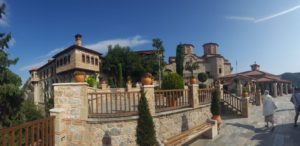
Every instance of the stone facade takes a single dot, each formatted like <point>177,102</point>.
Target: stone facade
<point>61,68</point>
<point>212,63</point>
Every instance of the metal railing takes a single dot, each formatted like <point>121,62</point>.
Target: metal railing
<point>204,96</point>
<point>34,133</point>
<point>113,104</point>
<point>233,102</point>
<point>166,100</point>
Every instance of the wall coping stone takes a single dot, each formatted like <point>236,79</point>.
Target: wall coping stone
<point>57,110</point>
<point>134,118</point>
<point>71,84</point>
<point>148,86</point>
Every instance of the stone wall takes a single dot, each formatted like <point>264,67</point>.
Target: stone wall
<point>73,127</point>
<point>122,131</point>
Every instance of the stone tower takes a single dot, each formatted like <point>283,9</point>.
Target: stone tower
<point>210,48</point>
<point>188,49</point>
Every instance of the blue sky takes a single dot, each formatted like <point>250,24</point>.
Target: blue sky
<point>247,31</point>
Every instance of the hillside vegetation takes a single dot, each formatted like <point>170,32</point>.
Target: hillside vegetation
<point>294,77</point>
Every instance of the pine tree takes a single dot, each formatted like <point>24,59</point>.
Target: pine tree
<point>179,60</point>
<point>145,131</point>
<point>10,92</point>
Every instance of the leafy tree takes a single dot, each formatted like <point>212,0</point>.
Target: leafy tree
<point>10,91</point>
<point>202,77</point>
<point>190,66</point>
<point>132,64</point>
<point>120,76</point>
<point>215,103</point>
<point>145,131</point>
<point>172,81</point>
<point>130,61</point>
<point>179,60</point>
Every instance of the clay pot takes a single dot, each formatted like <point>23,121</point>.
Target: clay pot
<point>245,94</point>
<point>193,80</point>
<point>79,78</point>
<point>172,102</point>
<point>218,119</point>
<point>147,81</point>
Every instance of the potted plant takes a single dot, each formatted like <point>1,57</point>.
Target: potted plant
<point>245,92</point>
<point>202,77</point>
<point>147,79</point>
<point>190,66</point>
<point>172,81</point>
<point>129,81</point>
<point>79,76</point>
<point>215,107</point>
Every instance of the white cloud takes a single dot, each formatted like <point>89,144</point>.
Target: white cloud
<point>257,20</point>
<point>240,18</point>
<point>101,46</point>
<point>34,65</point>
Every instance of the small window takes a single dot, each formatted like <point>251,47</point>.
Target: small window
<point>61,62</point>
<point>65,60</point>
<point>47,72</point>
<point>57,63</point>
<point>220,70</point>
<point>92,60</point>
<point>83,58</point>
<point>87,59</point>
<point>69,59</point>
<point>96,61</point>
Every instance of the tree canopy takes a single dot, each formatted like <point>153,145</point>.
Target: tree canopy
<point>10,91</point>
<point>132,64</point>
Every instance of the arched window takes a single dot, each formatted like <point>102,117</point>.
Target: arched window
<point>92,60</point>
<point>83,58</point>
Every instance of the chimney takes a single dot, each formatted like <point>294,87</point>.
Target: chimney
<point>78,39</point>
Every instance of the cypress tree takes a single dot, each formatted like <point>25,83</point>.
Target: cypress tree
<point>179,60</point>
<point>145,131</point>
<point>120,76</point>
<point>215,103</point>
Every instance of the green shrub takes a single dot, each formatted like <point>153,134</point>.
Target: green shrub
<point>202,77</point>
<point>172,81</point>
<point>145,130</point>
<point>30,111</point>
<point>215,108</point>
<point>91,80</point>
<point>202,86</point>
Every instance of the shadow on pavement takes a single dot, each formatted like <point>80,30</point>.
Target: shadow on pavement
<point>283,134</point>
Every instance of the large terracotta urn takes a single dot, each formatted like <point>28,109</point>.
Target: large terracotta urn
<point>245,94</point>
<point>147,79</point>
<point>193,80</point>
<point>79,76</point>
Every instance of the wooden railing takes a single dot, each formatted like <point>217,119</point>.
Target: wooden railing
<point>112,104</point>
<point>34,133</point>
<point>204,96</point>
<point>171,99</point>
<point>233,102</point>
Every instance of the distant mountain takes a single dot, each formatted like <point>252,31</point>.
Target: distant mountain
<point>294,77</point>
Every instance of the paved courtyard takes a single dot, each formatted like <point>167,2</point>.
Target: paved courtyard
<point>251,131</point>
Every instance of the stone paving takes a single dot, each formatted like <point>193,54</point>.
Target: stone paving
<point>251,131</point>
